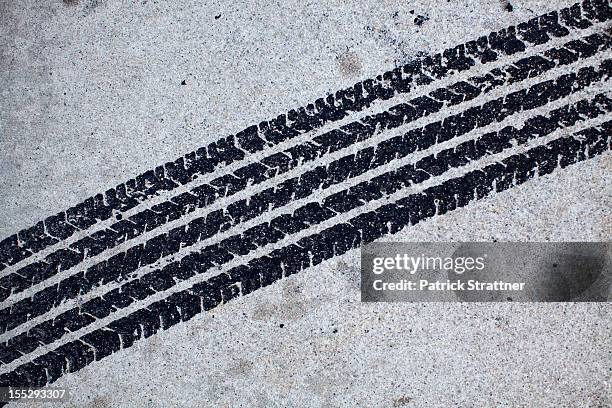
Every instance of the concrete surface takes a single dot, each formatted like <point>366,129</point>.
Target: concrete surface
<point>91,95</point>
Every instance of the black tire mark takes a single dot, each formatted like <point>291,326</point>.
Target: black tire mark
<point>308,252</point>
<point>297,121</point>
<point>120,266</point>
<point>279,163</point>
<point>307,215</point>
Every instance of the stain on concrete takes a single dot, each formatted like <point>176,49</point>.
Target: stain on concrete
<point>291,288</point>
<point>350,272</point>
<point>241,367</point>
<point>349,64</point>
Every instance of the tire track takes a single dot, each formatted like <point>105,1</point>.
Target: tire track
<point>120,267</point>
<point>309,251</point>
<point>334,107</point>
<point>139,305</point>
<point>172,213</point>
<point>314,213</point>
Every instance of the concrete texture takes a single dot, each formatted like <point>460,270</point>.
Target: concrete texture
<point>95,92</point>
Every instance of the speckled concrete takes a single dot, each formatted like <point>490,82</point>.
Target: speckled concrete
<point>92,95</point>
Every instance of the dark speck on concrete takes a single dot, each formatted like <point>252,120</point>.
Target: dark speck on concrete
<point>183,82</point>
<point>419,20</point>
<point>411,11</point>
<point>335,330</point>
<point>507,6</point>
<point>217,16</point>
<point>281,325</point>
